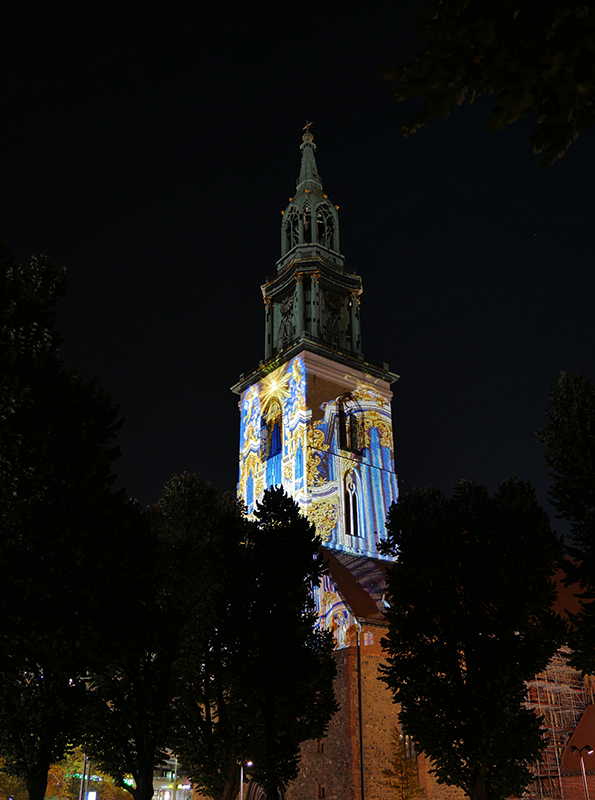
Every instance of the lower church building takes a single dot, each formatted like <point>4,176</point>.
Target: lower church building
<point>315,417</point>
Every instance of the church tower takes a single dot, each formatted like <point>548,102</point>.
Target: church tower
<point>315,415</point>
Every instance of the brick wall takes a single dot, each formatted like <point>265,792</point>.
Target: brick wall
<point>332,768</point>
<point>573,787</point>
<point>432,790</point>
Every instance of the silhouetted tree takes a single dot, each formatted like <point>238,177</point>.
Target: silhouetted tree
<point>259,678</point>
<point>289,667</point>
<point>57,510</point>
<point>470,620</point>
<point>168,676</point>
<point>533,57</point>
<point>401,775</point>
<point>569,436</point>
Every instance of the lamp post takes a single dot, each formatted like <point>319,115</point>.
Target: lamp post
<point>579,750</point>
<point>175,777</point>
<point>249,764</point>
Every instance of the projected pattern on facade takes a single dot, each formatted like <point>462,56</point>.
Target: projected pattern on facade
<point>315,416</point>
<point>334,457</point>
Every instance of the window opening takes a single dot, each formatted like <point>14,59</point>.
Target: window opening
<point>324,226</point>
<point>307,223</point>
<point>351,506</point>
<point>271,431</point>
<point>349,427</point>
<point>292,228</point>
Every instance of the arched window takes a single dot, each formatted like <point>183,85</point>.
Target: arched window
<point>299,467</point>
<point>249,499</point>
<point>307,221</point>
<point>349,425</point>
<point>275,437</point>
<point>271,431</point>
<point>324,226</point>
<point>292,236</point>
<point>351,505</point>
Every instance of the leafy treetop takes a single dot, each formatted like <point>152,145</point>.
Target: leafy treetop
<point>470,620</point>
<point>569,436</point>
<point>533,57</point>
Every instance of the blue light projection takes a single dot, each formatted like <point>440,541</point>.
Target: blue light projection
<point>334,457</point>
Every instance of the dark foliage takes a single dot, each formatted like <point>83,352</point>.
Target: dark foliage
<point>471,620</point>
<point>214,653</point>
<point>289,669</point>
<point>185,575</point>
<point>128,710</point>
<point>533,57</point>
<point>569,436</point>
<point>259,679</point>
<point>57,517</point>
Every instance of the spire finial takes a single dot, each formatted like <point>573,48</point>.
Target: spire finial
<point>307,137</point>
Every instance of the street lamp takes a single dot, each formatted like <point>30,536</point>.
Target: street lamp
<point>587,748</point>
<point>249,764</point>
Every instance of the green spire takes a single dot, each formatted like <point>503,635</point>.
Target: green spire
<point>308,170</point>
<point>310,218</point>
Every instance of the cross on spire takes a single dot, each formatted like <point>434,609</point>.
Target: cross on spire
<point>307,127</point>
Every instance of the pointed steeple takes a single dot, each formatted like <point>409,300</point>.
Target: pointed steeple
<point>310,218</point>
<point>313,300</point>
<point>308,170</point>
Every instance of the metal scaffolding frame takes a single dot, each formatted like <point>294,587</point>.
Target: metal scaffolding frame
<point>559,696</point>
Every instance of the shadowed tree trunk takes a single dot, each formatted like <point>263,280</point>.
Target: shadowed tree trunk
<point>37,780</point>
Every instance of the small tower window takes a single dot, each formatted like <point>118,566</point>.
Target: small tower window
<point>292,229</point>
<point>351,506</point>
<point>275,437</point>
<point>271,431</point>
<point>324,226</point>
<point>349,427</point>
<point>249,500</point>
<point>307,223</point>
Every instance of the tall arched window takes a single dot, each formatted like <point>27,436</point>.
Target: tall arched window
<point>271,427</point>
<point>292,227</point>
<point>275,436</point>
<point>324,226</point>
<point>299,466</point>
<point>351,505</point>
<point>307,222</point>
<point>249,500</point>
<point>349,425</point>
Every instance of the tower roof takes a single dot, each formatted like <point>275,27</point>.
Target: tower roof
<point>310,218</point>
<point>308,170</point>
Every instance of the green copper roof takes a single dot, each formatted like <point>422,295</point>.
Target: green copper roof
<point>308,169</point>
<point>310,219</point>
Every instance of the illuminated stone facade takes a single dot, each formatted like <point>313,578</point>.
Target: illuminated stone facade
<point>323,432</point>
<point>315,418</point>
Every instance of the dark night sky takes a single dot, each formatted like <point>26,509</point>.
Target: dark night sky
<point>152,154</point>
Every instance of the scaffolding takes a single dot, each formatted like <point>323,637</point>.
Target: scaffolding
<point>558,695</point>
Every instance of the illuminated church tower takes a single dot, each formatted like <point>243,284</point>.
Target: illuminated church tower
<point>315,416</point>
